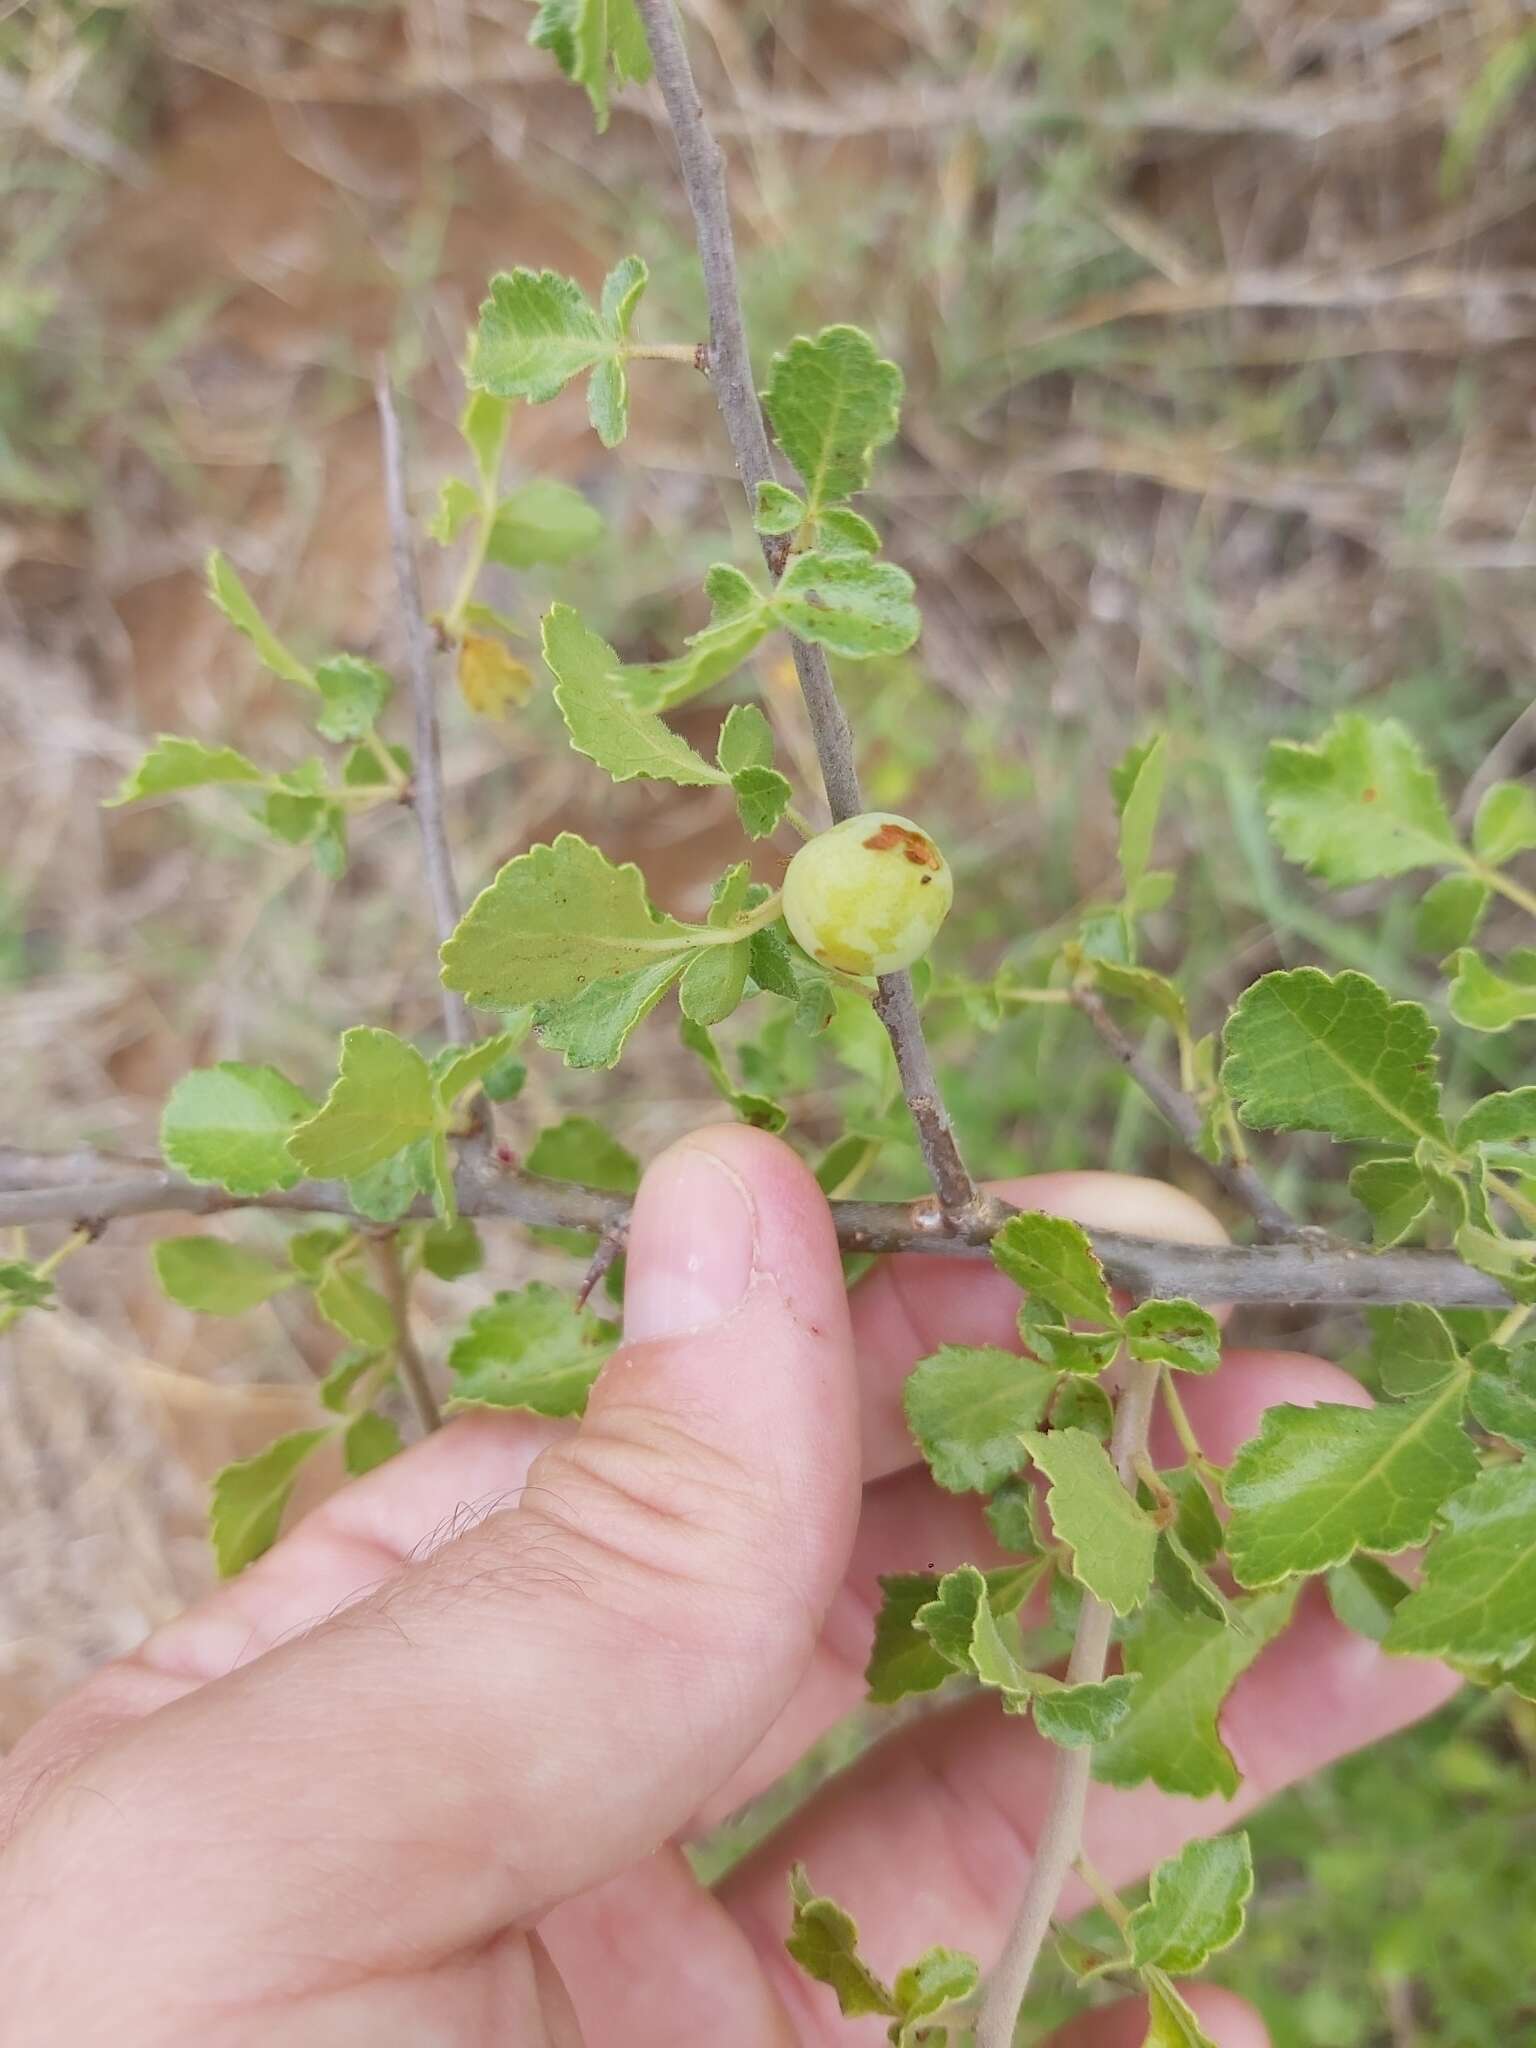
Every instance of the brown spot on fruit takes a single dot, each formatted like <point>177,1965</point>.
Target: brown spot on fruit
<point>1367,796</point>
<point>915,846</point>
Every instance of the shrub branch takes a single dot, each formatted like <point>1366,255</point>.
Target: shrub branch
<point>730,371</point>
<point>94,1188</point>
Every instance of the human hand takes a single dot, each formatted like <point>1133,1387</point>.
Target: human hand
<point>421,1774</point>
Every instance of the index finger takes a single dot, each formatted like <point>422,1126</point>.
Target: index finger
<point>914,1302</point>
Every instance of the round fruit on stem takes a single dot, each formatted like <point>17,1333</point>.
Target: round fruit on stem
<point>868,897</point>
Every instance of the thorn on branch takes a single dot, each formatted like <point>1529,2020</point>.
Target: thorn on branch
<point>609,1247</point>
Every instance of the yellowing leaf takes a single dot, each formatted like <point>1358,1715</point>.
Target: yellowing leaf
<point>491,679</point>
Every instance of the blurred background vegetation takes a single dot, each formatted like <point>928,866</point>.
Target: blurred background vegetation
<point>1217,318</point>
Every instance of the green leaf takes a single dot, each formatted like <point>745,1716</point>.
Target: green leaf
<point>832,402</point>
<point>1507,1118</point>
<point>454,1070</point>
<point>1413,1348</point>
<point>777,510</point>
<point>746,740</point>
<point>1502,1395</point>
<point>936,1981</point>
<point>538,330</point>
<point>824,1941</point>
<point>1151,992</point>
<point>1395,1193</point>
<point>1449,914</point>
<point>173,764</point>
<point>953,1621</point>
<point>1361,803</point>
<point>1170,2023</point>
<point>587,38</point>
<point>1072,1351</point>
<point>1187,1665</point>
<point>383,1099</point>
<point>714,982</point>
<point>762,797</point>
<point>337,1387</point>
<point>311,1250</point>
<point>1052,1259</point>
<point>530,1349</point>
<point>842,531</point>
<point>1512,1262</point>
<point>557,920</point>
<point>1078,1716</point>
<point>543,523</point>
<point>1180,1334</point>
<point>604,724</point>
<point>483,424</point>
<point>362,769</point>
<point>739,618</point>
<point>450,1250</point>
<point>592,1029</point>
<point>1195,1907</point>
<point>359,1311</point>
<point>384,1192</point>
<point>1365,1594</point>
<point>1111,1538</point>
<point>966,1407</point>
<point>228,1126</point>
<point>761,1111</point>
<point>1487,1001</point>
<point>1308,1051</point>
<point>848,604</point>
<point>1083,1404</point>
<point>22,1286</point>
<point>1138,792</point>
<point>457,503</point>
<point>215,1278</point>
<point>369,1441</point>
<point>239,607</point>
<point>904,1658</point>
<point>1505,824</point>
<point>1011,1513</point>
<point>353,692</point>
<point>1477,1599</point>
<point>1318,1484</point>
<point>249,1498</point>
<point>579,1149</point>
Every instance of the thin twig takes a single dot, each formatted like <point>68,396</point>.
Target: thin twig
<point>96,1188</point>
<point>730,370</point>
<point>1061,1837</point>
<point>413,1367</point>
<point>444,891</point>
<point>1240,1181</point>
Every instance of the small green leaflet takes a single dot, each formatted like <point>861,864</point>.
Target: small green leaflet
<point>1180,1334</point>
<point>966,1407</point>
<point>824,1941</point>
<point>761,1111</point>
<point>557,920</point>
<point>1485,1000</point>
<point>1138,791</point>
<point>239,607</point>
<point>215,1278</point>
<point>904,1658</point>
<point>1449,914</point>
<point>1477,1600</point>
<point>353,693</point>
<point>579,1149</point>
<point>1151,992</point>
<point>1308,1051</point>
<point>1318,1484</point>
<point>249,1498</point>
<point>762,798</point>
<point>1187,1665</point>
<point>450,1250</point>
<point>1507,1118</point>
<point>1111,1538</point>
<point>174,764</point>
<point>604,724</point>
<point>22,1286</point>
<point>383,1100</point>
<point>1502,1395</point>
<point>1051,1258</point>
<point>745,754</point>
<point>777,510</point>
<point>713,983</point>
<point>229,1125</point>
<point>592,1029</point>
<point>1394,1192</point>
<point>832,402</point>
<point>541,524</point>
<point>587,38</point>
<point>538,330</point>
<point>1413,1348</point>
<point>1360,803</point>
<point>942,1978</point>
<point>1365,1594</point>
<point>1506,823</point>
<point>454,1071</point>
<point>1077,1716</point>
<point>359,1311</point>
<point>1170,2023</point>
<point>530,1349</point>
<point>739,619</point>
<point>1195,1906</point>
<point>848,604</point>
<point>369,1440</point>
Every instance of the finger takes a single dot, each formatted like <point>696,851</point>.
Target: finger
<point>912,1303</point>
<point>544,1699</point>
<point>1228,2020</point>
<point>960,1798</point>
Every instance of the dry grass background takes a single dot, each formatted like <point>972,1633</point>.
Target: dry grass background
<point>1217,321</point>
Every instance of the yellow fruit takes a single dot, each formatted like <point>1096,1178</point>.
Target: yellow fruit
<point>868,897</point>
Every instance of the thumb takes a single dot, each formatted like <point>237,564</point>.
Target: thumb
<point>546,1698</point>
